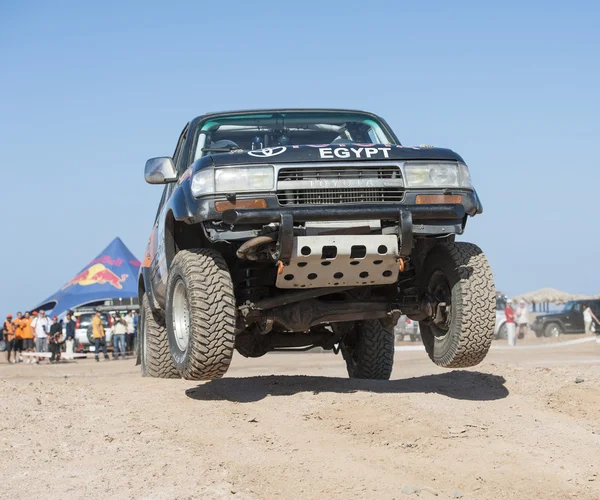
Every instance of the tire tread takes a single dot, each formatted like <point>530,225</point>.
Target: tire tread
<point>157,360</point>
<point>474,300</point>
<point>375,351</point>
<point>212,313</point>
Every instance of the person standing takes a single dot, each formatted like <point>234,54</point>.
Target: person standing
<point>28,336</point>
<point>19,323</point>
<point>55,327</point>
<point>136,322</point>
<point>99,336</point>
<point>9,336</point>
<point>521,317</point>
<point>130,330</point>
<point>119,333</point>
<point>511,332</point>
<point>70,333</point>
<point>588,319</point>
<point>41,327</point>
<point>54,340</point>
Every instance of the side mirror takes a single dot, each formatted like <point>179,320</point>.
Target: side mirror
<point>160,170</point>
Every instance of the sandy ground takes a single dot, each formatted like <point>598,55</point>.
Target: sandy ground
<point>523,424</point>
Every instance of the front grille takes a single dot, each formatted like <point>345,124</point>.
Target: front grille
<point>339,184</point>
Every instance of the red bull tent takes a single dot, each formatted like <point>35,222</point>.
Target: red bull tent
<point>111,275</point>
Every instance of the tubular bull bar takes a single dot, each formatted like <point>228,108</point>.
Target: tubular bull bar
<point>405,215</point>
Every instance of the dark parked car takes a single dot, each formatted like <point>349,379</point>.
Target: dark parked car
<point>292,229</point>
<point>569,320</point>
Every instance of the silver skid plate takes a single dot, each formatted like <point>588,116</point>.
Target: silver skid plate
<point>344,260</point>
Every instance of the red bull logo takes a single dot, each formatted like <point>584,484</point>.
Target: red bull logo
<point>97,274</point>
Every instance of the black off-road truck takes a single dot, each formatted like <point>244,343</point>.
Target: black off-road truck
<point>290,229</point>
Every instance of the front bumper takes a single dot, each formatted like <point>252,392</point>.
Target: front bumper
<point>405,217</point>
<point>244,223</point>
<point>345,212</point>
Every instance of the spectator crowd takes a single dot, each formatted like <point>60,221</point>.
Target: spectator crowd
<point>517,321</point>
<point>34,332</point>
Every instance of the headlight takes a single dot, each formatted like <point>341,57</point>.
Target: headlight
<point>233,180</point>
<point>203,182</point>
<point>437,175</point>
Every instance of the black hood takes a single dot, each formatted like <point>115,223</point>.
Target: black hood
<point>328,153</point>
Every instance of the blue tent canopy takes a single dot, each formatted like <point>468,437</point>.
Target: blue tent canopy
<point>111,275</point>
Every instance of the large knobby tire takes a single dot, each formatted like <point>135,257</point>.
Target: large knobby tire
<point>459,275</point>
<point>200,314</point>
<point>369,350</point>
<point>155,356</point>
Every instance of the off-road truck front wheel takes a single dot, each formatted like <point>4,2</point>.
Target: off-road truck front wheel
<point>155,357</point>
<point>200,314</point>
<point>368,349</point>
<point>459,282</point>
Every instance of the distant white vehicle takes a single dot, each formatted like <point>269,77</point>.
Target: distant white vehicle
<point>406,327</point>
<point>84,336</point>
<point>500,331</point>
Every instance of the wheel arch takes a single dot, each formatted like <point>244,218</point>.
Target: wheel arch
<point>145,288</point>
<point>180,235</point>
<point>141,286</point>
<point>554,321</point>
<point>497,332</point>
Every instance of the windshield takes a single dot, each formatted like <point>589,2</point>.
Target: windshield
<point>568,306</point>
<point>264,130</point>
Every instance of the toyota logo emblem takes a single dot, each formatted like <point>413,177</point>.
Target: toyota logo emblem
<point>267,152</point>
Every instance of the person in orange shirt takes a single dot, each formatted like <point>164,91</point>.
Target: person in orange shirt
<point>9,336</point>
<point>18,345</point>
<point>28,344</point>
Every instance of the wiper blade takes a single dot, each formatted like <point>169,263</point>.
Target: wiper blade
<point>221,150</point>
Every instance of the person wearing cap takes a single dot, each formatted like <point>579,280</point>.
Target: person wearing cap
<point>55,327</point>
<point>28,336</point>
<point>521,317</point>
<point>41,327</point>
<point>9,335</point>
<point>99,336</point>
<point>511,332</point>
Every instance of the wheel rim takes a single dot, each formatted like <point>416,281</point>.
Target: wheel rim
<point>554,331</point>
<point>181,315</point>
<point>440,291</point>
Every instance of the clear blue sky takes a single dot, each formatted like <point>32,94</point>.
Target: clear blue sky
<point>90,90</point>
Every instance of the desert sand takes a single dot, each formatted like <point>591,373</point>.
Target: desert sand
<point>523,424</point>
